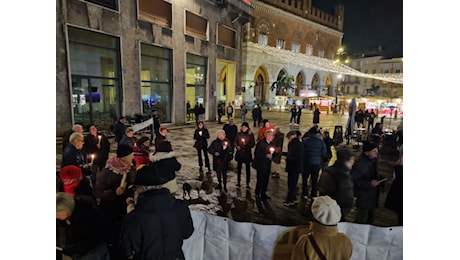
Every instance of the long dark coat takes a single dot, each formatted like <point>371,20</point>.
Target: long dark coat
<point>243,148</point>
<point>316,116</point>
<point>294,158</point>
<point>221,162</point>
<point>394,199</point>
<point>364,170</point>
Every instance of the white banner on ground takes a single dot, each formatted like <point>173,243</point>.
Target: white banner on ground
<point>222,238</point>
<point>142,125</point>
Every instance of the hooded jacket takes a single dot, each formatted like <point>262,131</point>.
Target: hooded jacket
<point>167,164</point>
<point>156,228</point>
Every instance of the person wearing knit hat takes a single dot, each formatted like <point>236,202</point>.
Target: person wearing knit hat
<point>155,209</point>
<point>73,181</point>
<point>165,161</point>
<point>366,183</point>
<point>323,233</point>
<point>111,189</point>
<point>124,150</point>
<point>244,142</point>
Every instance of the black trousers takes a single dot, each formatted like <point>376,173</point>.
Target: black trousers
<point>248,171</point>
<point>262,182</point>
<point>312,171</point>
<point>206,157</point>
<point>293,178</point>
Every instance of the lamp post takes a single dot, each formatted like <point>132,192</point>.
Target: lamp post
<point>339,61</point>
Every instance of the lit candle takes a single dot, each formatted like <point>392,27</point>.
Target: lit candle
<point>242,140</point>
<point>272,150</point>
<point>99,139</point>
<point>200,133</point>
<point>225,145</point>
<point>92,158</point>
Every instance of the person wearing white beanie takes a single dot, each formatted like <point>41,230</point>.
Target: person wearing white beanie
<point>323,237</point>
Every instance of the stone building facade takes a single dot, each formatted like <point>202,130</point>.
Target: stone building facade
<point>116,57</point>
<point>128,58</point>
<point>294,26</point>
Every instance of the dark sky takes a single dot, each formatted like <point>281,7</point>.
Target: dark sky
<point>370,23</point>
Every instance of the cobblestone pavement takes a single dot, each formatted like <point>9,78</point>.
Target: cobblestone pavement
<point>240,204</point>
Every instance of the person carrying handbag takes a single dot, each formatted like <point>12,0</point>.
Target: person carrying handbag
<point>323,240</point>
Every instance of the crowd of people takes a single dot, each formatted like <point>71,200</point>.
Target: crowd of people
<point>126,191</point>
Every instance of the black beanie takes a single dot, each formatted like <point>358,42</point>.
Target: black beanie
<point>123,150</point>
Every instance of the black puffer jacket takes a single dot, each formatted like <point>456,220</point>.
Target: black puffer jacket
<point>364,170</point>
<point>156,228</point>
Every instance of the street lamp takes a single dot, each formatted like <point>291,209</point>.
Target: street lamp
<point>339,61</point>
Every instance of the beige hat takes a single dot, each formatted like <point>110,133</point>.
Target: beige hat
<point>326,210</point>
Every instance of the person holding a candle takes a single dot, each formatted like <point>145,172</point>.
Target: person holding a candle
<point>201,136</point>
<point>262,162</point>
<point>111,191</point>
<point>278,142</point>
<point>98,145</point>
<point>244,142</point>
<point>222,153</point>
<point>128,138</point>
<point>74,154</point>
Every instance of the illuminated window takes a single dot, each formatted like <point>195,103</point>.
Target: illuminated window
<point>262,39</point>
<point>280,43</point>
<point>295,47</point>
<point>309,51</point>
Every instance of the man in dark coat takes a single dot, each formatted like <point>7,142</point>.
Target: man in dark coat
<point>74,155</point>
<point>314,155</point>
<point>119,129</point>
<point>335,181</point>
<point>244,142</point>
<point>294,166</point>
<point>230,130</point>
<point>366,182</point>
<point>263,154</point>
<point>222,153</point>
<point>158,225</point>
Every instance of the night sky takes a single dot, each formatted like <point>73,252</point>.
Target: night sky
<point>370,23</point>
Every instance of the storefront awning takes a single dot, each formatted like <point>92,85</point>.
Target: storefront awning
<point>322,64</point>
